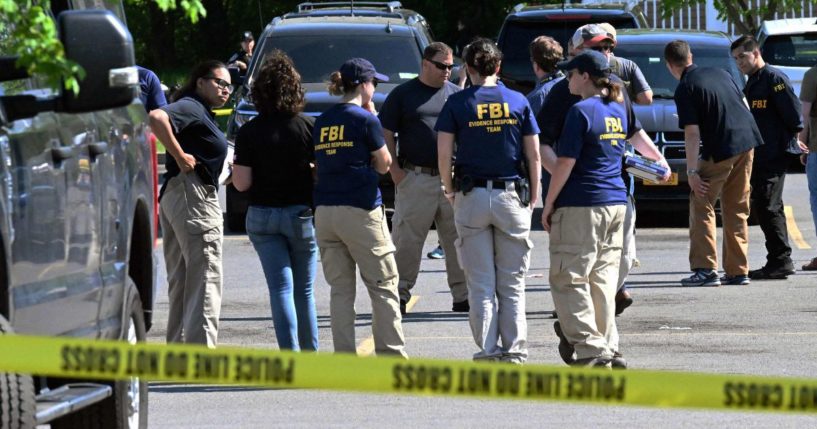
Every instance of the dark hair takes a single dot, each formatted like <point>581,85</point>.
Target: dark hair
<point>613,89</point>
<point>747,42</point>
<point>483,56</point>
<point>436,48</point>
<point>677,53</point>
<point>202,69</point>
<point>277,89</point>
<point>546,52</point>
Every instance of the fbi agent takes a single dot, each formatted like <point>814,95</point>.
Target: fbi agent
<point>350,222</point>
<point>777,114</point>
<point>584,211</point>
<point>497,171</point>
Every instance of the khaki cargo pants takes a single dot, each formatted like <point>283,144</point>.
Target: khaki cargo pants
<point>585,251</point>
<point>419,202</point>
<point>349,236</point>
<point>192,237</point>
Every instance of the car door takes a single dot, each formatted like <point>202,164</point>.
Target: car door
<point>53,236</point>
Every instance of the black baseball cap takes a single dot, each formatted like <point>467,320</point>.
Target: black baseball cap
<point>592,62</point>
<point>359,70</point>
<point>247,36</point>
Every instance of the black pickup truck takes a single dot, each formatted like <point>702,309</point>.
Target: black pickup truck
<point>77,222</point>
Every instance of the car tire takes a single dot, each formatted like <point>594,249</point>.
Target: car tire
<point>127,408</point>
<point>17,403</point>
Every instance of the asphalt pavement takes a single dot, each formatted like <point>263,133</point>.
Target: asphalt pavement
<point>765,328</point>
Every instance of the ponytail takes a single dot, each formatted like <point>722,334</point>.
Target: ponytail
<point>611,91</point>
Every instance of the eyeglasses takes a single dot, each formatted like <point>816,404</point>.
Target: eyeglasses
<point>603,48</point>
<point>441,66</point>
<point>221,84</point>
<point>374,82</point>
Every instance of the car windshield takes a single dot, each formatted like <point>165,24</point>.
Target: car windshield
<point>518,35</point>
<point>792,50</point>
<point>316,57</point>
<point>650,59</point>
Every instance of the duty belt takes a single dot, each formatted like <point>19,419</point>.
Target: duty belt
<point>418,169</point>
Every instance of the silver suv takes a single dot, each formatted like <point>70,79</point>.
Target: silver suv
<point>77,223</point>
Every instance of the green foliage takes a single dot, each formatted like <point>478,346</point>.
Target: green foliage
<point>28,31</point>
<point>741,13</point>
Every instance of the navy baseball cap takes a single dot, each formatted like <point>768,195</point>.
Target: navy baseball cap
<point>592,62</point>
<point>359,70</point>
<point>247,36</point>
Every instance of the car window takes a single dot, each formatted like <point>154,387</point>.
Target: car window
<point>316,57</point>
<point>517,36</point>
<point>793,50</point>
<point>650,59</point>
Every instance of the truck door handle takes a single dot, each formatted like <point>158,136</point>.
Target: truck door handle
<point>59,154</point>
<point>96,149</point>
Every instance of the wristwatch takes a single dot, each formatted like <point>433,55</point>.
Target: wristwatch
<point>692,172</point>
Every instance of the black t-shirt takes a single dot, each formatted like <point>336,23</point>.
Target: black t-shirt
<point>278,148</point>
<point>777,113</point>
<point>195,129</point>
<point>709,98</point>
<point>411,110</point>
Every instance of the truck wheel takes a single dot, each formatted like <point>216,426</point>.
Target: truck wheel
<point>127,408</point>
<point>17,405</point>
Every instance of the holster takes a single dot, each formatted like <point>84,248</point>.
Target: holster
<point>464,184</point>
<point>523,191</point>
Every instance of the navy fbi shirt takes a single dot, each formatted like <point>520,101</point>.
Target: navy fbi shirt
<point>489,123</point>
<point>344,138</point>
<point>594,135</point>
<point>411,110</point>
<point>709,98</point>
<point>777,113</point>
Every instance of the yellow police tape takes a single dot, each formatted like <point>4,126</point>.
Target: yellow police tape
<point>254,367</point>
<point>223,112</point>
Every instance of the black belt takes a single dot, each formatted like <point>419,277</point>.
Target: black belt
<point>495,184</point>
<point>418,169</point>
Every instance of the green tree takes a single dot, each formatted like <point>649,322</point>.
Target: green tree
<point>741,13</point>
<point>27,30</point>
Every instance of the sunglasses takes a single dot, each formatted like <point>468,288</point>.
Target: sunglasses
<point>441,66</point>
<point>221,84</point>
<point>603,48</point>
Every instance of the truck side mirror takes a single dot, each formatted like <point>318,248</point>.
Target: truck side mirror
<point>103,46</point>
<point>235,76</point>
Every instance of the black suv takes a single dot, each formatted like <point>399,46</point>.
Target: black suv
<point>77,224</point>
<point>525,23</point>
<point>319,37</point>
<point>660,119</point>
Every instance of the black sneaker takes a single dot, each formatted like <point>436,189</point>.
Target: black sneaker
<point>403,307</point>
<point>702,277</point>
<point>461,307</point>
<point>623,300</point>
<point>593,362</point>
<point>771,273</point>
<point>618,362</point>
<point>740,279</point>
<point>566,349</point>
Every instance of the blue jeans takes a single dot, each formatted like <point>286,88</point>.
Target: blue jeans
<point>284,239</point>
<point>811,175</point>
